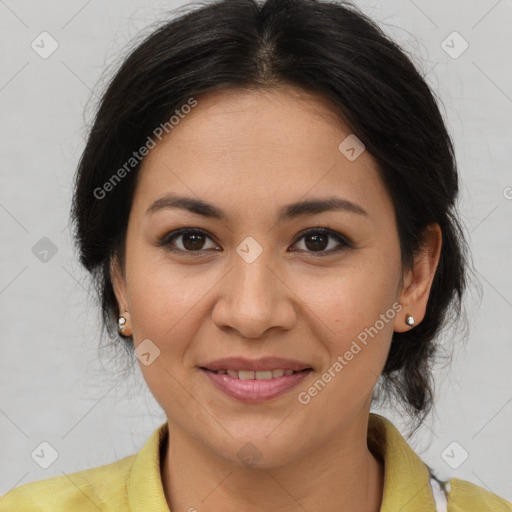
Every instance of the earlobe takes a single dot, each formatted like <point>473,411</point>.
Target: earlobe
<point>418,283</point>
<point>123,325</point>
<point>404,321</point>
<point>409,320</point>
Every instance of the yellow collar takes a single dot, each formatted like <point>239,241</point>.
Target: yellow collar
<point>134,482</point>
<point>406,477</point>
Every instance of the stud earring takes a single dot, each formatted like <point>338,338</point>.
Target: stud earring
<point>121,324</point>
<point>409,320</point>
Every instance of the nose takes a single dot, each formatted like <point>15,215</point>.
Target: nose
<point>254,300</point>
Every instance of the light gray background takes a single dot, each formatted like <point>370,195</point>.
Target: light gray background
<point>55,387</point>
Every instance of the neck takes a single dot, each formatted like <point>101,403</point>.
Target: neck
<point>342,475</point>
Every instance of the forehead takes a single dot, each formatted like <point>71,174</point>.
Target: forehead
<point>248,149</point>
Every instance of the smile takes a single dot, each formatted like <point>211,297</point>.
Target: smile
<point>255,386</point>
<point>252,375</point>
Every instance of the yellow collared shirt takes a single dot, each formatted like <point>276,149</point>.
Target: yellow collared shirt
<point>133,483</point>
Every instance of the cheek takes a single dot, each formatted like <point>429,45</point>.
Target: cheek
<point>164,307</point>
<point>351,313</point>
<point>163,299</point>
<point>353,297</point>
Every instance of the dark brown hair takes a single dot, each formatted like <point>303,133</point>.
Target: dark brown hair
<point>327,48</point>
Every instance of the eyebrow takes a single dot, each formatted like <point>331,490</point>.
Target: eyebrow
<point>287,212</point>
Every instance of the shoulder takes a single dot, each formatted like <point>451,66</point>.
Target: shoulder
<point>465,496</point>
<point>88,490</point>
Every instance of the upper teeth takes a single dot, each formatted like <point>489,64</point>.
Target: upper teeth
<point>261,375</point>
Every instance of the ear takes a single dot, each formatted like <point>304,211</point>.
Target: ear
<point>418,280</point>
<point>119,284</point>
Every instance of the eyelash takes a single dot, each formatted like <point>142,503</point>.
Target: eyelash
<point>167,240</point>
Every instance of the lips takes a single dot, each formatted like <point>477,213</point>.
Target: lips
<point>255,390</point>
<point>250,375</point>
<point>255,380</point>
<point>264,364</point>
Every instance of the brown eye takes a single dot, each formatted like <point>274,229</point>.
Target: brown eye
<point>186,240</point>
<point>193,241</point>
<point>317,241</point>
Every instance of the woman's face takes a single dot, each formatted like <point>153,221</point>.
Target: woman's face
<point>249,283</point>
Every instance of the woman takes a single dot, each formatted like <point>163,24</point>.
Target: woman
<point>267,204</point>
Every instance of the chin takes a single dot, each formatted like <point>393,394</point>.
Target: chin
<point>256,449</point>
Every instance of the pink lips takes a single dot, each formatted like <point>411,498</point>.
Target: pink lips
<point>254,390</point>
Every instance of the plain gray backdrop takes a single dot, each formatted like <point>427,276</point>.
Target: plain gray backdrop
<point>56,387</point>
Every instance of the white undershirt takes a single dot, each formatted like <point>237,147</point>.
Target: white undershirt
<point>439,495</point>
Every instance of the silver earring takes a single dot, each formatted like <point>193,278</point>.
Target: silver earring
<point>409,320</point>
<point>121,324</point>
